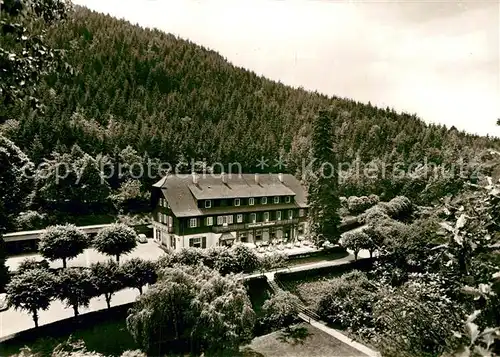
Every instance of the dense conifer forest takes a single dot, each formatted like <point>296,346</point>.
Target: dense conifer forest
<point>127,94</point>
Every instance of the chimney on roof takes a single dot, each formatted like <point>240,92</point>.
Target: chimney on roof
<point>223,177</point>
<point>195,178</point>
<point>280,177</point>
<point>257,178</point>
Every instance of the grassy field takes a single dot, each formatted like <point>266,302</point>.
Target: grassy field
<point>110,338</point>
<point>301,340</point>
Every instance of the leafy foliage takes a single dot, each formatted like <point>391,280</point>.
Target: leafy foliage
<point>115,240</point>
<point>280,310</point>
<point>360,204</point>
<point>357,240</point>
<point>32,290</point>
<point>108,278</point>
<point>348,302</point>
<point>31,263</point>
<point>62,242</point>
<point>194,306</point>
<point>75,286</point>
<point>25,56</point>
<point>323,195</point>
<point>30,220</point>
<point>139,272</point>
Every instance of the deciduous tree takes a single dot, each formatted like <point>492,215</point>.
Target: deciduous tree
<point>75,286</point>
<point>139,272</point>
<point>108,278</point>
<point>63,242</point>
<point>32,291</point>
<point>116,240</point>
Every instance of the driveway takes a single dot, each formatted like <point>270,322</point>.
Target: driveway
<point>149,251</point>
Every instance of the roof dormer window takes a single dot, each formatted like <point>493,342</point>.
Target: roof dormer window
<point>287,199</point>
<point>208,203</point>
<point>263,200</point>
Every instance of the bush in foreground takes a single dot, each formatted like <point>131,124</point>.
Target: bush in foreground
<point>280,310</point>
<point>194,308</point>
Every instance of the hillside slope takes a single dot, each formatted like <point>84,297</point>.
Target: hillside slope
<point>172,98</point>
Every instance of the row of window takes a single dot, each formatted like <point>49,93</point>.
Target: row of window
<point>164,203</point>
<point>251,201</point>
<point>229,219</point>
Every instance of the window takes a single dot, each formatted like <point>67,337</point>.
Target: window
<point>239,218</point>
<point>263,200</point>
<point>159,217</point>
<point>301,213</point>
<point>165,219</point>
<point>192,223</point>
<point>161,202</point>
<point>210,221</point>
<point>170,221</point>
<point>253,217</point>
<point>198,242</point>
<point>276,199</point>
<point>278,215</point>
<point>208,203</point>
<point>287,199</point>
<point>230,219</point>
<point>251,201</point>
<point>266,216</point>
<point>290,214</point>
<point>219,220</point>
<point>236,201</point>
<point>224,219</point>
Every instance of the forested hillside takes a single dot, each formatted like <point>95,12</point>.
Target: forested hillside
<point>130,94</point>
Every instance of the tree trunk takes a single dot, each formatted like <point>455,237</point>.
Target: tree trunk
<point>140,290</point>
<point>75,309</point>
<point>108,300</point>
<point>356,256</point>
<point>118,258</point>
<point>64,263</point>
<point>35,317</point>
<point>371,253</point>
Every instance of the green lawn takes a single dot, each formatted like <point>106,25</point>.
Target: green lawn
<point>110,338</point>
<point>301,340</point>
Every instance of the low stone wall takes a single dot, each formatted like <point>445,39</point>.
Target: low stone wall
<point>64,327</point>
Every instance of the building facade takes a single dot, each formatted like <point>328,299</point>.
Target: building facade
<point>206,211</point>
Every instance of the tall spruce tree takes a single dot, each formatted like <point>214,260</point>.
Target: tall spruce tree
<point>323,182</point>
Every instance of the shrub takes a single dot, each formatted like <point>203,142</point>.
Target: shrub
<point>347,302</point>
<point>280,310</point>
<point>189,256</point>
<point>31,220</point>
<point>375,214</point>
<point>245,257</point>
<point>360,204</point>
<point>31,263</point>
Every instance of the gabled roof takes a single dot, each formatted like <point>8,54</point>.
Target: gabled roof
<point>182,194</point>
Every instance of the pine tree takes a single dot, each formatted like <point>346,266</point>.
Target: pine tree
<point>323,196</point>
